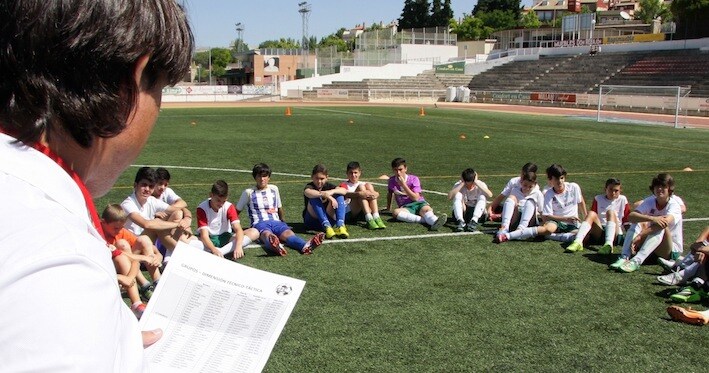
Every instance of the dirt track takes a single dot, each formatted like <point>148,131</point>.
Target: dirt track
<point>688,121</point>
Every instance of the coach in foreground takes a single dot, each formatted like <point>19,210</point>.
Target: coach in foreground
<point>80,90</point>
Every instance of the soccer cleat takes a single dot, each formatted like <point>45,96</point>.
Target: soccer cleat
<point>672,279</point>
<point>138,310</point>
<point>460,227</point>
<point>616,249</point>
<point>274,246</point>
<point>341,232</point>
<point>606,249</point>
<point>329,232</point>
<point>629,266</point>
<point>439,222</point>
<point>668,265</point>
<point>483,218</point>
<point>574,247</point>
<point>471,227</point>
<point>692,293</point>
<point>146,292</point>
<point>380,223</point>
<point>372,224</point>
<point>618,263</point>
<point>313,243</point>
<point>687,315</point>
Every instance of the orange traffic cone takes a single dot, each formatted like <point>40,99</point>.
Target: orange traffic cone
<point>288,111</point>
<point>421,112</point>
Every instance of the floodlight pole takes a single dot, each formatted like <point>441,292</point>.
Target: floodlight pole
<point>239,35</point>
<point>304,10</point>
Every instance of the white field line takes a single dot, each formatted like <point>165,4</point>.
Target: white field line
<point>391,238</point>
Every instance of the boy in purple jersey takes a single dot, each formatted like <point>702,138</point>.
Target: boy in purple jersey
<point>412,207</point>
<point>267,215</point>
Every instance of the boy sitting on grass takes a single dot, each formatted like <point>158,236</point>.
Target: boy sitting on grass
<point>361,198</point>
<point>521,208</point>
<point>412,207</point>
<point>656,228</point>
<point>469,197</point>
<point>324,205</point>
<point>560,210</point>
<point>605,220</point>
<point>139,249</point>
<point>495,209</point>
<point>218,224</point>
<point>163,191</point>
<point>267,216</point>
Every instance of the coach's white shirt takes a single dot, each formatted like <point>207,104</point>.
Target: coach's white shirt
<point>62,308</point>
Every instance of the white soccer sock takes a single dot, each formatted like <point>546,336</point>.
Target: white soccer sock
<point>479,208</point>
<point>584,228</point>
<point>226,249</point>
<point>430,218</point>
<point>375,215</point>
<point>458,207</point>
<point>562,237</point>
<point>523,234</point>
<point>196,243</point>
<point>611,228</point>
<point>408,217</point>
<point>651,243</point>
<point>508,208</point>
<point>246,241</point>
<point>527,214</point>
<point>629,235</point>
<point>368,217</point>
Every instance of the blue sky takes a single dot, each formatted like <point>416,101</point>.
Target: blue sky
<point>213,21</point>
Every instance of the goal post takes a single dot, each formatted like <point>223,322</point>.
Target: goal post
<point>666,100</point>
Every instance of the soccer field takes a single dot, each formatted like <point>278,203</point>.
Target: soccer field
<point>448,302</point>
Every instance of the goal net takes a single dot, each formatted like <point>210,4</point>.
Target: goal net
<point>657,104</point>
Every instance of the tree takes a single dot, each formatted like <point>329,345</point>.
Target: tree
<point>283,43</point>
<point>415,14</point>
<point>691,17</point>
<point>530,20</point>
<point>653,9</point>
<point>441,13</point>
<point>333,40</point>
<point>499,19</point>
<point>486,6</point>
<point>239,46</point>
<point>470,28</point>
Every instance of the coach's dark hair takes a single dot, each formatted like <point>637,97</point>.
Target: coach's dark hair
<point>260,169</point>
<point>555,170</point>
<point>665,180</point>
<point>163,174</point>
<point>354,165</point>
<point>529,167</point>
<point>220,188</point>
<point>70,63</point>
<point>468,175</point>
<point>398,162</point>
<point>146,173</point>
<point>319,169</point>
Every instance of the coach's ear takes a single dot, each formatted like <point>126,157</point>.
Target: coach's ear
<point>139,73</point>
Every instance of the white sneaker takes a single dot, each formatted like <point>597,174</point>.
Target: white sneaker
<point>674,278</point>
<point>667,264</point>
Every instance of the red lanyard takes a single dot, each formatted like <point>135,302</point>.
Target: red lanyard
<point>74,176</point>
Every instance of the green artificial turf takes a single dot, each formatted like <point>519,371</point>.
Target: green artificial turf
<point>448,302</point>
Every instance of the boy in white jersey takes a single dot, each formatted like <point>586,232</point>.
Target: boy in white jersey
<point>657,227</point>
<point>469,196</point>
<point>152,217</point>
<point>163,191</point>
<point>494,211</point>
<point>218,224</point>
<point>521,208</point>
<point>560,211</point>
<point>608,212</point>
<point>267,216</point>
<point>361,198</point>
